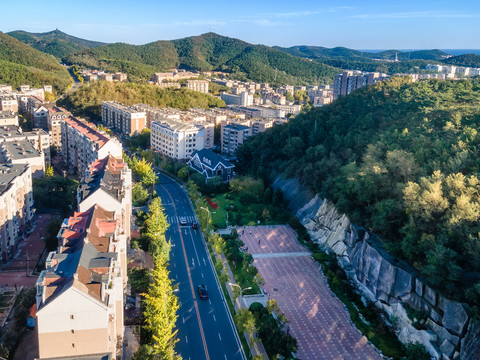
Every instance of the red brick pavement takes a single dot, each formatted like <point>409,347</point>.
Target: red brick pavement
<point>14,272</point>
<point>318,320</point>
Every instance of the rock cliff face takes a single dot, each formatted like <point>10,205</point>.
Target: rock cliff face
<point>447,331</point>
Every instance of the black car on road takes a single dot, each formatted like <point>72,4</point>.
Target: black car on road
<point>202,292</point>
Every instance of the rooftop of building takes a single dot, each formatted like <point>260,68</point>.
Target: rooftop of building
<point>22,149</point>
<point>105,174</point>
<point>121,106</point>
<point>209,158</point>
<point>7,114</point>
<point>102,356</point>
<point>15,132</point>
<point>57,109</point>
<point>237,127</point>
<point>85,260</point>
<point>88,130</point>
<point>176,125</point>
<point>8,173</point>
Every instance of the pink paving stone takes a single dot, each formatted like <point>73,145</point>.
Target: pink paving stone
<point>318,320</point>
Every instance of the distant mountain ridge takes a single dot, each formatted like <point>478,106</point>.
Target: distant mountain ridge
<point>56,42</point>
<point>206,52</point>
<point>468,60</point>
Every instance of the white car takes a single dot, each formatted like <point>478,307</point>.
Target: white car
<point>183,221</point>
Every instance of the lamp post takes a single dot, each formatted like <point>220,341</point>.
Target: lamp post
<point>241,290</point>
<point>166,299</point>
<point>208,215</point>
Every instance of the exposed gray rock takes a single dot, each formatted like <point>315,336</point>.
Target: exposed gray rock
<point>386,280</point>
<point>403,283</point>
<point>430,295</point>
<point>443,334</point>
<point>470,349</point>
<point>454,316</point>
<point>447,349</point>
<point>419,286</point>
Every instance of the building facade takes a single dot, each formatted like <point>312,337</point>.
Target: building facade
<point>56,115</point>
<point>233,135</point>
<point>16,206</point>
<point>83,143</point>
<point>242,99</point>
<point>125,119</point>
<point>8,118</point>
<point>211,165</point>
<point>177,139</point>
<point>198,85</point>
<point>80,294</point>
<point>23,152</point>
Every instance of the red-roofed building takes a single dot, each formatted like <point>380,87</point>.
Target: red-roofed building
<point>83,143</point>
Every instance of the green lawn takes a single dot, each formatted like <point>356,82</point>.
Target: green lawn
<point>244,214</point>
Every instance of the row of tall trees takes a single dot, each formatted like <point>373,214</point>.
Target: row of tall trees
<point>161,304</point>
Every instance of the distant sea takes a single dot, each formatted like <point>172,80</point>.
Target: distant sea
<point>448,51</point>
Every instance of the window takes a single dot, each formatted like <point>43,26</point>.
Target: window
<point>72,317</point>
<point>73,345</point>
<point>73,331</point>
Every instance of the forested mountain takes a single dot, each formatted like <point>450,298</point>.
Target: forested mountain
<point>206,52</point>
<point>468,60</point>
<point>21,64</point>
<point>399,158</point>
<point>55,42</point>
<point>410,62</point>
<point>87,100</point>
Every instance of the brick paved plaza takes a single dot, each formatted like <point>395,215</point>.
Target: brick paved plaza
<point>318,320</point>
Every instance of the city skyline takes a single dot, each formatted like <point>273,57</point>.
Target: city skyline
<point>369,24</point>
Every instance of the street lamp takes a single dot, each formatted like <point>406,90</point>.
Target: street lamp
<point>208,214</point>
<point>166,298</point>
<point>241,290</point>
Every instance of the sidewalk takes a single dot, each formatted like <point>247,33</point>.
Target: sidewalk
<point>257,348</point>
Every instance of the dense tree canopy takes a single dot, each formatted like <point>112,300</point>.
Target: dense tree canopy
<point>400,159</point>
<point>87,101</point>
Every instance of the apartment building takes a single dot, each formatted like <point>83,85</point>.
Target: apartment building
<point>106,77</point>
<point>8,103</point>
<point>177,139</point>
<point>16,206</point>
<point>198,85</point>
<point>80,293</point>
<point>242,99</point>
<point>5,88</point>
<point>83,143</point>
<point>166,85</point>
<point>23,152</point>
<point>56,115</point>
<point>38,137</point>
<point>173,76</point>
<point>349,81</point>
<point>109,182</point>
<point>8,118</point>
<point>259,111</point>
<point>233,135</point>
<point>120,76</point>
<point>90,77</point>
<point>123,118</point>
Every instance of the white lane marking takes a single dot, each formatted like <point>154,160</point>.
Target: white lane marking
<point>176,277</point>
<point>186,339</point>
<point>194,247</point>
<point>219,337</point>
<point>214,318</point>
<point>193,262</point>
<point>204,262</point>
<point>183,319</point>
<point>225,356</point>
<point>209,302</point>
<point>202,275</point>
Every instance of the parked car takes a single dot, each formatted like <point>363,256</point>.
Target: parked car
<point>202,292</point>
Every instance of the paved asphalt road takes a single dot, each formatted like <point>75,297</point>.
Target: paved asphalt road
<point>205,330</point>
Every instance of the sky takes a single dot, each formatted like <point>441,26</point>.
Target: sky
<point>357,24</point>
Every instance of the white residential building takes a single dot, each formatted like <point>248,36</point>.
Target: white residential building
<point>242,99</point>
<point>177,139</point>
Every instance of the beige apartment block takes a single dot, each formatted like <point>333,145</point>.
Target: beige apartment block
<point>8,118</point>
<point>233,135</point>
<point>198,85</point>
<point>56,115</point>
<point>83,143</point>
<point>125,119</point>
<point>80,294</point>
<point>9,103</point>
<point>23,152</point>
<point>38,137</point>
<point>16,206</point>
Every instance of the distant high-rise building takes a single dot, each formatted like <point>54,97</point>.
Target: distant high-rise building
<point>349,81</point>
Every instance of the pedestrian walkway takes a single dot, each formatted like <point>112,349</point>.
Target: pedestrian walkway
<point>318,320</point>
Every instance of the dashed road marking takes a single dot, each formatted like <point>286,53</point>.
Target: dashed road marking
<point>219,337</point>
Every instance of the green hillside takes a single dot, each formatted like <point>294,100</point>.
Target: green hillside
<point>20,64</point>
<point>468,60</point>
<point>55,42</point>
<point>205,52</point>
<point>87,101</point>
<point>400,159</point>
